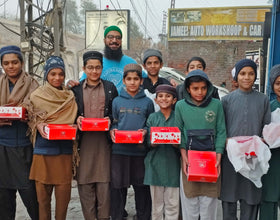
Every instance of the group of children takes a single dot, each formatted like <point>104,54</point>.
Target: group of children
<point>157,172</point>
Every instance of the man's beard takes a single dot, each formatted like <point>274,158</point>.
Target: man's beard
<point>113,54</point>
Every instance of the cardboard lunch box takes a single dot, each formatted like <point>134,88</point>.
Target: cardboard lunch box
<point>60,132</point>
<point>95,124</point>
<point>131,137</point>
<point>15,113</point>
<point>165,135</point>
<point>202,166</point>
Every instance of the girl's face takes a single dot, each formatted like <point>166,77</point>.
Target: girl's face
<point>276,88</point>
<point>132,83</point>
<point>194,65</point>
<point>56,77</point>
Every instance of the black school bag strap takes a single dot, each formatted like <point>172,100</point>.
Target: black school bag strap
<point>201,139</point>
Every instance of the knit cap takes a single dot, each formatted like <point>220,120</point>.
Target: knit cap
<point>150,53</point>
<point>132,67</point>
<point>10,49</point>
<point>243,63</point>
<point>93,55</point>
<point>52,63</point>
<point>166,88</point>
<point>112,28</point>
<point>274,73</point>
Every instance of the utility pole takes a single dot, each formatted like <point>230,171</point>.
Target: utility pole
<point>172,4</point>
<point>41,33</point>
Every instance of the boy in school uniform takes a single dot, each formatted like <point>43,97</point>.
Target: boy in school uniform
<point>130,112</point>
<point>94,97</point>
<point>162,163</point>
<point>199,111</point>
<point>271,181</point>
<point>246,113</point>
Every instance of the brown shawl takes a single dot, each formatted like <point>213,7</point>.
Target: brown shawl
<point>51,106</point>
<point>21,91</point>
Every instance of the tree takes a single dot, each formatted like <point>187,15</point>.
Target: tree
<point>135,30</point>
<point>73,20</point>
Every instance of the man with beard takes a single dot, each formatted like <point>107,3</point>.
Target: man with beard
<point>113,60</point>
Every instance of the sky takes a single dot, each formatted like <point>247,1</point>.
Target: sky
<point>147,13</point>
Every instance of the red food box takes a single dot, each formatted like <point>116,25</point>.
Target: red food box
<point>202,166</point>
<point>60,132</point>
<point>132,137</point>
<point>12,112</point>
<point>95,124</point>
<point>165,135</point>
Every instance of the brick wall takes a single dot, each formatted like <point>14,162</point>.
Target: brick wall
<point>220,56</point>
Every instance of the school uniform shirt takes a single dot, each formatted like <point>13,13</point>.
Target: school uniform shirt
<point>162,163</point>
<point>271,181</point>
<point>130,113</point>
<point>246,113</point>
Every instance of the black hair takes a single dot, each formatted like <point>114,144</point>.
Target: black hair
<point>196,59</point>
<point>193,79</point>
<point>18,55</point>
<point>138,73</point>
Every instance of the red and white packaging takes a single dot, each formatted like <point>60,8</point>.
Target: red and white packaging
<point>202,166</point>
<point>60,132</point>
<point>12,112</point>
<point>165,135</point>
<point>132,137</point>
<point>95,124</point>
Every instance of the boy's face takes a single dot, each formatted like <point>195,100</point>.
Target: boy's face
<point>12,65</point>
<point>56,77</point>
<point>194,65</point>
<point>153,65</point>
<point>165,100</point>
<point>198,91</point>
<point>93,70</point>
<point>276,87</point>
<point>246,78</point>
<point>132,83</point>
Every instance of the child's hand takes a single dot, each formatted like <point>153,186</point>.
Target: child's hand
<point>112,134</point>
<point>185,161</point>
<point>144,132</point>
<point>218,162</point>
<point>109,121</point>
<point>41,129</point>
<point>79,122</point>
<point>5,122</point>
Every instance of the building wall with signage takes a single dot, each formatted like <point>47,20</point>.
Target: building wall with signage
<point>221,36</point>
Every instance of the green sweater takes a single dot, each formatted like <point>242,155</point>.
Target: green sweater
<point>211,116</point>
<point>162,163</point>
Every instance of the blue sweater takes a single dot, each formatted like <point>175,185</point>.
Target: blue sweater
<point>131,113</point>
<point>113,71</point>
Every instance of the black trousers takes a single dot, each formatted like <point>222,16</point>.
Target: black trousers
<point>247,212</point>
<point>143,202</point>
<point>8,202</point>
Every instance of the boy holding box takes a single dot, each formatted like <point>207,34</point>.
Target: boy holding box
<point>199,111</point>
<point>162,163</point>
<point>94,97</point>
<point>130,112</point>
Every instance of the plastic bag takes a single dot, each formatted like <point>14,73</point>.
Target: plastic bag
<point>271,134</point>
<point>249,156</point>
<point>275,115</point>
